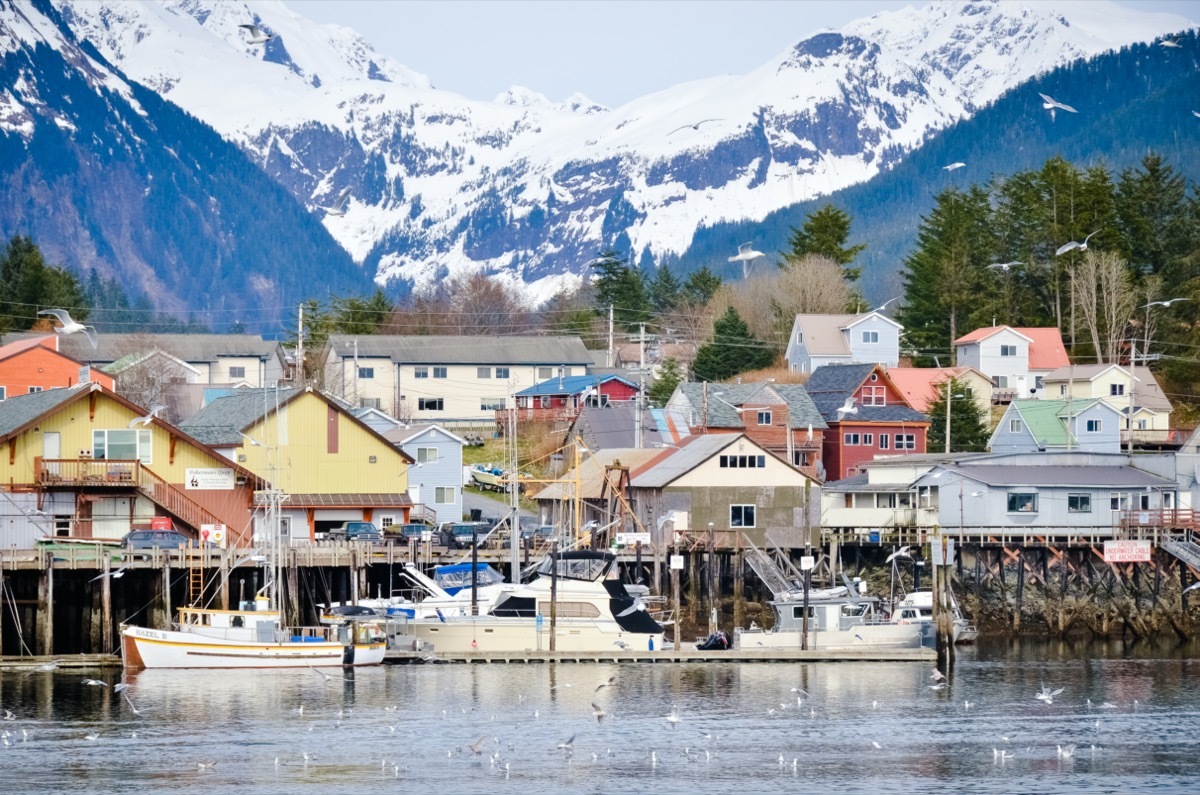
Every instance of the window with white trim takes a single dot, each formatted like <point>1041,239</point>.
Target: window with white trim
<point>34,390</point>
<point>385,522</point>
<point>1118,501</point>
<point>3,392</point>
<point>370,403</point>
<point>443,495</point>
<point>1095,426</point>
<point>420,372</point>
<point>741,516</point>
<point>1020,502</point>
<point>431,404</point>
<point>1002,381</point>
<point>764,418</point>
<point>870,337</point>
<point>885,441</point>
<point>492,404</point>
<point>483,372</point>
<point>1079,503</point>
<point>874,396</point>
<point>237,372</point>
<point>851,439</point>
<point>502,372</point>
<point>545,373</point>
<point>1015,426</point>
<point>123,445</point>
<point>1008,350</point>
<point>439,372</point>
<point>427,455</point>
<point>906,441</point>
<point>868,440</point>
<point>1116,390</point>
<point>363,372</point>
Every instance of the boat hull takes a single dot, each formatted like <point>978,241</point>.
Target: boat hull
<point>874,636</point>
<point>154,648</point>
<point>515,635</point>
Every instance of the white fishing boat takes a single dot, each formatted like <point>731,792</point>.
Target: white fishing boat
<point>839,619</point>
<point>593,611</point>
<point>917,606</point>
<point>254,636</point>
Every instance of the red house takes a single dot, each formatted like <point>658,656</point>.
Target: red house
<point>35,365</point>
<point>561,398</point>
<point>867,415</point>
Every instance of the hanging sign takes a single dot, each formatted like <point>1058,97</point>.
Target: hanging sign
<point>677,562</point>
<point>210,479</point>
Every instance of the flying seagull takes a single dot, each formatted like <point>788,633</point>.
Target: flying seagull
<point>338,208</point>
<point>116,575</point>
<point>1170,43</point>
<point>1049,103</point>
<point>598,712</point>
<point>1164,303</point>
<point>1004,266</point>
<point>154,410</point>
<point>848,408</point>
<point>1065,247</point>
<point>902,552</point>
<point>746,254</point>
<point>885,304</point>
<point>695,126</point>
<point>954,166</point>
<point>1196,113</point>
<point>70,326</point>
<point>257,34</point>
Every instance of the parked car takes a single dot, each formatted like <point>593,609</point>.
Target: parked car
<point>416,530</point>
<point>355,531</point>
<point>538,535</point>
<point>161,539</point>
<point>461,533</point>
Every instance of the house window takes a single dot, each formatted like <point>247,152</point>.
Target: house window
<point>906,441</point>
<point>544,401</point>
<point>742,461</point>
<point>237,372</point>
<point>802,458</point>
<point>1143,502</point>
<point>369,403</point>
<point>870,337</point>
<point>1116,390</point>
<point>1002,381</point>
<point>365,372</point>
<point>502,372</point>
<point>799,337</point>
<point>420,372</point>
<point>483,372</point>
<point>1015,426</point>
<point>764,418</point>
<point>492,404</point>
<point>385,522</point>
<point>34,389</point>
<point>431,404</point>
<point>874,396</point>
<point>885,441</point>
<point>1079,503</point>
<point>850,439</point>
<point>596,401</point>
<point>123,445</point>
<point>545,372</point>
<point>1008,350</point>
<point>885,500</point>
<point>1095,426</point>
<point>1118,501</point>
<point>439,372</point>
<point>741,516</point>
<point>868,439</point>
<point>1022,503</point>
<point>1062,390</point>
<point>427,455</point>
<point>1140,425</point>
<point>443,495</point>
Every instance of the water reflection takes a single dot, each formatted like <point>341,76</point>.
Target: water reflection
<point>865,728</point>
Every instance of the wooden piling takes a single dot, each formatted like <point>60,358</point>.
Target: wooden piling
<point>166,596</point>
<point>106,613</point>
<point>675,595</point>
<point>226,574</point>
<point>738,564</point>
<point>1016,619</point>
<point>45,614</point>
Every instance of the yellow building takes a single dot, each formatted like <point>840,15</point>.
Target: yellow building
<point>86,463</point>
<point>332,467</point>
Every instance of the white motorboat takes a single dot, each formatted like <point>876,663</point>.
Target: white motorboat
<point>917,606</point>
<point>838,619</point>
<point>591,610</point>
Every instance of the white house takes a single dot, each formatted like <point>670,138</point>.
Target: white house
<point>868,338</point>
<point>1016,359</point>
<point>1136,395</point>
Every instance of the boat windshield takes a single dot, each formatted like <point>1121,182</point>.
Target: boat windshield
<point>579,566</point>
<point>456,577</point>
<point>856,609</point>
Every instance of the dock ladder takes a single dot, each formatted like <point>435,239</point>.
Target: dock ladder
<point>767,570</point>
<point>195,580</point>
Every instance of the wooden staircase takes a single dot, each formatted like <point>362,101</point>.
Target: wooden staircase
<point>174,501</point>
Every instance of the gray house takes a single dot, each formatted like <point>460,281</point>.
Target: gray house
<point>436,479</point>
<point>868,338</point>
<point>1049,425</point>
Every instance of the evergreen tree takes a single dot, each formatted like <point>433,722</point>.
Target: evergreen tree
<point>701,286</point>
<point>354,315</point>
<point>733,350</point>
<point>670,375</point>
<point>1151,203</point>
<point>825,233</point>
<point>28,284</point>
<point>623,288</point>
<point>968,426</point>
<point>665,290</point>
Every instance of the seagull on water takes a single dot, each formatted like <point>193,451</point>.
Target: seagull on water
<point>1065,247</point>
<point>695,126</point>
<point>612,680</point>
<point>937,675</point>
<point>154,411</point>
<point>1047,694</point>
<point>954,166</point>
<point>1004,266</point>
<point>1050,104</point>
<point>257,34</point>
<point>673,718</point>
<point>476,747</point>
<point>1067,752</point>
<point>338,208</point>
<point>70,326</point>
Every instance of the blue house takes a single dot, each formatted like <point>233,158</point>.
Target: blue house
<point>1030,426</point>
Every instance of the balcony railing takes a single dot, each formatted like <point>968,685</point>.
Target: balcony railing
<point>538,414</point>
<point>70,472</point>
<point>1168,518</point>
<point>1146,437</point>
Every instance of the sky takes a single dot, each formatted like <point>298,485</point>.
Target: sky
<point>612,51</point>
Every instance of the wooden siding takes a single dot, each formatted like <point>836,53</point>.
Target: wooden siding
<point>40,366</point>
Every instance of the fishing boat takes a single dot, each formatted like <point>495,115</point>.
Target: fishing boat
<point>917,606</point>
<point>839,619</point>
<point>254,636</point>
<point>592,611</point>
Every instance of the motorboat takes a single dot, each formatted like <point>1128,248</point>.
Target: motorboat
<point>591,610</point>
<point>839,619</point>
<point>251,637</point>
<point>917,607</point>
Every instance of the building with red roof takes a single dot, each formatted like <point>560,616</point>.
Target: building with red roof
<point>34,364</point>
<point>1016,359</point>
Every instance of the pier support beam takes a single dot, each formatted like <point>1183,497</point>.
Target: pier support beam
<point>166,596</point>
<point>738,564</point>
<point>106,613</point>
<point>45,615</point>
<point>1016,619</point>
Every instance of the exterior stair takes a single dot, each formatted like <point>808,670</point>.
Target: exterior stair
<point>1185,549</point>
<point>174,501</point>
<point>766,569</point>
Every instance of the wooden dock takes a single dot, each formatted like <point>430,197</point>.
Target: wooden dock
<point>398,656</point>
<point>71,662</point>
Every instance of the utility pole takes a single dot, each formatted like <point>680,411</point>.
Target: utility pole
<point>1132,387</point>
<point>637,404</point>
<point>610,335</point>
<point>807,568</point>
<point>675,586</point>
<point>300,347</point>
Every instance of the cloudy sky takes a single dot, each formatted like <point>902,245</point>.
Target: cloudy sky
<point>613,51</point>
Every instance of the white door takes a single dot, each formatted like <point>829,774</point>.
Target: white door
<point>51,444</point>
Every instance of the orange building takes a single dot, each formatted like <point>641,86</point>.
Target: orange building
<point>35,364</point>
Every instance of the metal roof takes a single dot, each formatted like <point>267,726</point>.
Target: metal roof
<point>1032,476</point>
<point>612,426</point>
<point>347,500</point>
<point>222,421</point>
<point>464,350</point>
<point>1146,391</point>
<point>572,385</point>
<point>692,453</point>
<point>188,347</point>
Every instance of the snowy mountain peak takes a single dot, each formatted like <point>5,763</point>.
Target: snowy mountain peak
<point>522,97</point>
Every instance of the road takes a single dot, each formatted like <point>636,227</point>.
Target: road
<point>491,507</point>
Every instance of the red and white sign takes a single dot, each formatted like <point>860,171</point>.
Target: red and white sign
<point>1126,551</point>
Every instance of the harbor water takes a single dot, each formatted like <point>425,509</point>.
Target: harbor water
<point>1130,714</point>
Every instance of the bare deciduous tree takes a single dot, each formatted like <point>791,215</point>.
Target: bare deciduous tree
<point>1103,292</point>
<point>464,305</point>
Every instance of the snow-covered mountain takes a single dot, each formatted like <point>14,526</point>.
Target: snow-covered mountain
<point>531,188</point>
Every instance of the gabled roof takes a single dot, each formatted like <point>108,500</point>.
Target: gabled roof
<point>693,452</point>
<point>1001,476</point>
<point>919,385</point>
<point>22,410</point>
<point>399,436</point>
<point>1047,350</point>
<point>572,385</point>
<point>188,347</point>
<point>134,359</point>
<point>802,412</point>
<point>29,343</point>
<point>1146,392</point>
<point>1047,420</point>
<point>830,385</point>
<point>823,333</point>
<point>463,350</point>
<point>981,334</point>
<point>612,426</point>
